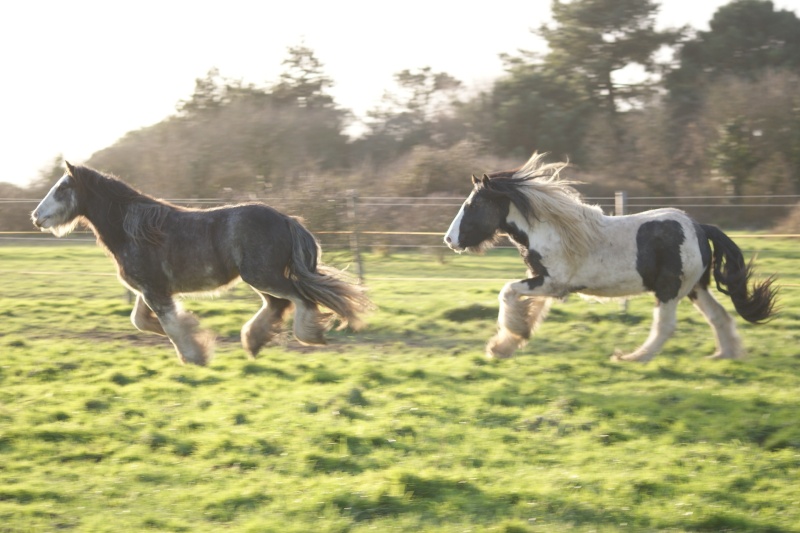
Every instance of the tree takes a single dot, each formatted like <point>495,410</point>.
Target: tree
<point>209,93</point>
<point>239,137</point>
<point>768,107</point>
<point>735,155</point>
<point>413,113</point>
<point>594,39</point>
<point>531,108</point>
<point>595,46</point>
<point>423,94</point>
<point>745,39</point>
<point>303,83</point>
<point>309,113</point>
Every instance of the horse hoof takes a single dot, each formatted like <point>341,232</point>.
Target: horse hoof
<point>729,356</point>
<point>200,360</point>
<point>253,346</point>
<point>200,351</point>
<point>312,341</point>
<point>496,349</point>
<point>620,357</point>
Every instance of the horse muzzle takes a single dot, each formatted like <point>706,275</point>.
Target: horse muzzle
<point>453,245</point>
<point>39,221</point>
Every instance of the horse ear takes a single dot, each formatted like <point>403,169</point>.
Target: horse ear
<point>475,180</point>
<point>486,181</point>
<point>69,166</point>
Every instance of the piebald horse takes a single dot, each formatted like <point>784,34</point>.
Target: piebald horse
<point>571,247</point>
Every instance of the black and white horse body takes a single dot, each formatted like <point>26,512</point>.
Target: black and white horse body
<point>163,250</point>
<point>571,247</point>
<point>618,267</point>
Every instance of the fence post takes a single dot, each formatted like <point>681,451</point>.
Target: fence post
<point>352,214</point>
<point>621,208</point>
<point>620,203</point>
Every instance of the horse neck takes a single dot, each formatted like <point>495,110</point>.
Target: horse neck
<point>517,226</point>
<point>576,224</point>
<point>105,217</point>
<point>559,217</point>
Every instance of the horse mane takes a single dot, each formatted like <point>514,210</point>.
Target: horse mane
<point>540,194</point>
<point>143,222</point>
<point>142,215</point>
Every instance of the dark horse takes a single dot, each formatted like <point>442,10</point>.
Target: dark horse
<point>571,247</point>
<point>162,250</point>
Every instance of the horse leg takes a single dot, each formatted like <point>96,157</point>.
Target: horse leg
<point>664,324</point>
<point>310,324</point>
<point>729,344</point>
<point>523,306</point>
<point>517,320</point>
<point>265,324</point>
<point>192,344</point>
<point>144,319</point>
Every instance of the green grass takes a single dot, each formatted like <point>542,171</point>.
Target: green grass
<point>403,427</point>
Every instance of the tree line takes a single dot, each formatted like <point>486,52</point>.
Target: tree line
<point>664,112</point>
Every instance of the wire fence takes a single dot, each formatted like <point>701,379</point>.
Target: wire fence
<point>419,222</point>
<point>386,224</point>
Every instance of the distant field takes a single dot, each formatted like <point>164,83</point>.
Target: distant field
<point>403,427</point>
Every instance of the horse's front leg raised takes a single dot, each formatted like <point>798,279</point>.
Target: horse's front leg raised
<point>521,311</point>
<point>192,344</point>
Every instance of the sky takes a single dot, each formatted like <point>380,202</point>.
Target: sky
<point>76,75</point>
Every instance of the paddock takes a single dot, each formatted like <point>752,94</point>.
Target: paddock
<point>405,426</point>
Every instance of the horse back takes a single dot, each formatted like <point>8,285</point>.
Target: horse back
<point>657,251</point>
<point>203,249</point>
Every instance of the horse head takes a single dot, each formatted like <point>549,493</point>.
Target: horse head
<point>58,211</point>
<point>477,223</point>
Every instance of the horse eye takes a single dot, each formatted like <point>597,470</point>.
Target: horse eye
<point>63,189</point>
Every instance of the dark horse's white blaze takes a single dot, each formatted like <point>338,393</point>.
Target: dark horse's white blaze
<point>571,247</point>
<point>162,250</point>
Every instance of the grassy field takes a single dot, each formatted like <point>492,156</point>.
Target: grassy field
<point>403,427</point>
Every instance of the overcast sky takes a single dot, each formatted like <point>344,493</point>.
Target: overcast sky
<point>79,74</point>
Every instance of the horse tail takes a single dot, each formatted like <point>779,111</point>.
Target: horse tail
<point>324,285</point>
<point>755,304</point>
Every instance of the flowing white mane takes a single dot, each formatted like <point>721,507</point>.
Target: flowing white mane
<point>554,200</point>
